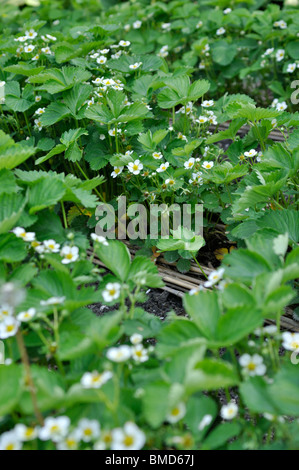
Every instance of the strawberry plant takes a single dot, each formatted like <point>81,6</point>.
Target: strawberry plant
<point>173,107</point>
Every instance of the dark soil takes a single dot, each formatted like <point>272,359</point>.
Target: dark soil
<point>159,303</point>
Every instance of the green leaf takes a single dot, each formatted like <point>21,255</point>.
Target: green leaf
<point>12,249</point>
<point>207,316</point>
<point>11,379</point>
<point>283,221</point>
<point>155,403</point>
<point>144,271</point>
<point>292,49</point>
<point>50,391</point>
<point>197,408</point>
<point>221,435</point>
<point>179,335</point>
<point>223,52</point>
<point>57,80</point>
<point>13,154</point>
<point>210,374</point>
<point>55,151</point>
<point>244,265</point>
<point>23,68</point>
<point>45,193</point>
<point>11,207</point>
<point>116,258</point>
<point>55,112</point>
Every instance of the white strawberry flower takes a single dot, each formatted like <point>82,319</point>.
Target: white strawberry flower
<point>190,163</point>
<point>5,312</point>
<point>135,167</point>
<point>208,103</point>
<point>201,119</point>
<point>135,66</point>
<point>54,429</point>
<point>214,277</point>
<point>281,24</point>
<point>136,338</point>
<point>104,51</point>
<point>170,181</point>
<point>20,232</point>
<point>290,341</point>
<point>38,124</point>
<point>182,136</point>
<point>37,98</point>
<point>21,38</point>
<point>229,411</point>
<point>163,167</point>
<point>27,315</point>
<point>95,379</point>
<point>137,24</point>
<point>71,442</point>
<point>207,165</point>
<point>227,11</point>
<point>114,131</point>
<point>281,106</point>
<point>40,111</point>
<point>99,239</point>
<point>36,57</point>
<point>70,254</point>
<point>251,153</point>
<point>176,413</point>
<point>52,38</point>
<point>29,48</point>
<point>46,50</point>
<point>112,291</point>
<point>280,55</point>
<point>51,246</point>
<point>10,441</point>
<point>199,24</point>
<point>124,43</point>
<point>89,429</point>
<point>25,433</point>
<point>139,353</point>
<point>117,170</point>
<point>119,354</point>
<point>102,60</point>
<point>130,437</point>
<point>108,81</point>
<point>31,34</point>
<point>9,327</point>
<point>157,155</point>
<point>220,31</point>
<point>291,68</point>
<point>53,301</point>
<point>97,81</point>
<point>253,365</point>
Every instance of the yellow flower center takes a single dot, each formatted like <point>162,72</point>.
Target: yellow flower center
<point>10,447</point>
<point>175,412</point>
<point>70,443</point>
<point>29,432</point>
<point>54,428</point>
<point>128,441</point>
<point>138,353</point>
<point>251,366</point>
<point>9,328</point>
<point>135,167</point>
<point>69,256</point>
<point>88,432</point>
<point>107,438</point>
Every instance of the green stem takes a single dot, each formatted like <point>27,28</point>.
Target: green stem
<point>64,215</point>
